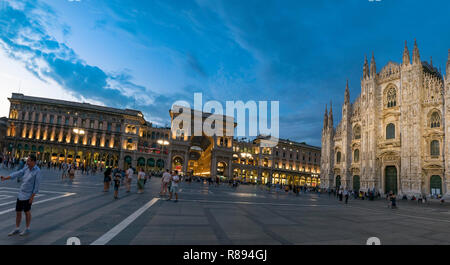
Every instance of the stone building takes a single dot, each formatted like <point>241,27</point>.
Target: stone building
<point>288,162</point>
<point>3,126</point>
<point>393,137</point>
<point>63,131</point>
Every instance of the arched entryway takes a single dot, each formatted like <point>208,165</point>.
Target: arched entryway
<point>160,164</point>
<point>436,185</point>
<point>356,183</point>
<point>390,179</point>
<point>128,160</point>
<point>221,169</point>
<point>338,182</point>
<point>141,162</point>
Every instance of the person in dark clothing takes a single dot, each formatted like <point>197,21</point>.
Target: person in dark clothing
<point>107,179</point>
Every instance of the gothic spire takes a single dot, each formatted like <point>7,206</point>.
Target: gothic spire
<point>431,61</point>
<point>365,68</point>
<point>406,60</point>
<point>347,94</point>
<point>447,71</point>
<point>325,118</point>
<point>330,116</point>
<point>373,66</point>
<point>416,55</point>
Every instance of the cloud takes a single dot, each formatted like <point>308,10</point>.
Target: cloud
<point>23,36</point>
<point>194,64</point>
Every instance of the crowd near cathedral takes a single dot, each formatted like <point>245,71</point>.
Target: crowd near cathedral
<point>393,137</point>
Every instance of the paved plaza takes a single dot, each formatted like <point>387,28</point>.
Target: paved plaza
<point>210,215</point>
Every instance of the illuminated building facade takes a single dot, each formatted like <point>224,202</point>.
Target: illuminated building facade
<point>288,162</point>
<point>393,137</point>
<point>63,131</point>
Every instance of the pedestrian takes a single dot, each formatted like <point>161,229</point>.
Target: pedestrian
<point>116,185</point>
<point>64,171</point>
<point>141,180</point>
<point>340,194</point>
<point>129,178</point>
<point>175,179</point>
<point>71,172</point>
<point>165,182</point>
<point>31,175</point>
<point>346,196</point>
<point>107,179</point>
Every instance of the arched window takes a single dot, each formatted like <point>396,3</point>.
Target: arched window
<point>338,157</point>
<point>391,98</point>
<point>356,156</point>
<point>390,131</point>
<point>357,132</point>
<point>435,121</point>
<point>434,148</point>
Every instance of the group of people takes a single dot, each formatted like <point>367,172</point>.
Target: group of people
<point>121,177</point>
<point>68,171</point>
<point>170,182</point>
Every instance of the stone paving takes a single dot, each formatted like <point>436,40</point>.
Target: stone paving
<point>211,215</point>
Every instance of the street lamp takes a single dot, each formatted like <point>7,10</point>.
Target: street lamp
<point>78,131</point>
<point>163,143</point>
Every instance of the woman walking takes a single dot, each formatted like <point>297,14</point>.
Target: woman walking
<point>107,179</point>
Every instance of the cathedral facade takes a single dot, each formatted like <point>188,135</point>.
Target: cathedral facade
<point>393,137</point>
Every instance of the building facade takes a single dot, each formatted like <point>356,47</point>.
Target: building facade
<point>60,131</point>
<point>3,126</point>
<point>394,136</point>
<point>288,162</point>
<point>63,131</point>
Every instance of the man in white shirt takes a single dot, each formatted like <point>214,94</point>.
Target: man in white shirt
<point>129,178</point>
<point>174,186</point>
<point>165,182</point>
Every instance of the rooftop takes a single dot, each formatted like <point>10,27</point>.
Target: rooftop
<point>21,97</point>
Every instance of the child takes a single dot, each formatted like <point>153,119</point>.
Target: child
<point>116,185</point>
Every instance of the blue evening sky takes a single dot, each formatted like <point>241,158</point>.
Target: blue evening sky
<point>148,54</point>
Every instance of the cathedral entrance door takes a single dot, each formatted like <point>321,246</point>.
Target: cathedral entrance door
<point>435,185</point>
<point>338,182</point>
<point>391,179</point>
<point>356,183</point>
